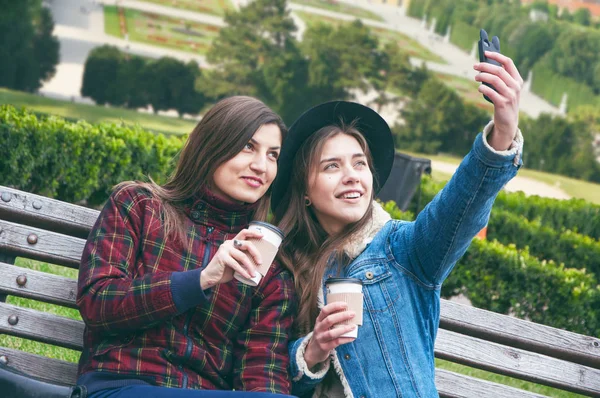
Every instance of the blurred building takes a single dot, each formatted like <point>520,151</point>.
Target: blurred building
<point>573,5</point>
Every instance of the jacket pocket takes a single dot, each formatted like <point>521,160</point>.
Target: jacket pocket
<point>113,343</point>
<point>379,290</point>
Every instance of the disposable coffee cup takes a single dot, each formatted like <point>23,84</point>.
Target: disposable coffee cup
<point>267,247</point>
<point>349,291</point>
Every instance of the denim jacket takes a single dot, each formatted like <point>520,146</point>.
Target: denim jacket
<point>402,266</point>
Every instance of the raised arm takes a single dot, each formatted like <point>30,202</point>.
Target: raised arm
<point>431,245</point>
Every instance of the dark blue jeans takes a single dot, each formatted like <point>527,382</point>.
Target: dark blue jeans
<point>138,391</point>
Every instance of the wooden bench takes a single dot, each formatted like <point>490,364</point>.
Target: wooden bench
<point>48,230</point>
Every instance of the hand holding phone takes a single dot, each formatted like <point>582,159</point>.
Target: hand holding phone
<point>484,45</point>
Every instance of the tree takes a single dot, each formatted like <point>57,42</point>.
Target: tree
<point>132,78</point>
<point>438,120</point>
<point>562,146</point>
<point>28,49</point>
<point>531,42</point>
<point>392,69</point>
<point>575,55</point>
<point>101,76</point>
<point>171,85</point>
<point>582,16</point>
<point>251,55</point>
<point>45,45</point>
<point>340,59</point>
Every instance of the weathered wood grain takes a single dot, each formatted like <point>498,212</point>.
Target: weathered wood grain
<point>39,211</point>
<point>46,369</point>
<point>518,333</point>
<point>49,246</point>
<point>454,385</point>
<point>41,326</point>
<point>517,363</point>
<point>38,285</point>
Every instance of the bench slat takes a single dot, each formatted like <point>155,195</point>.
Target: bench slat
<point>46,369</point>
<point>45,213</point>
<point>518,333</point>
<point>40,286</point>
<point>517,363</point>
<point>41,326</point>
<point>455,385</point>
<point>50,246</point>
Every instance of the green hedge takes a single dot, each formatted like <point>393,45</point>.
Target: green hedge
<point>570,248</point>
<point>77,162</point>
<point>502,279</point>
<point>464,35</point>
<point>574,214</point>
<point>578,93</point>
<point>506,280</point>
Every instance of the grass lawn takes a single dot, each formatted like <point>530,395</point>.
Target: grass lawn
<point>575,188</point>
<point>73,356</point>
<point>95,114</point>
<point>47,350</point>
<point>160,30</point>
<point>213,7</point>
<point>342,8</point>
<point>412,47</point>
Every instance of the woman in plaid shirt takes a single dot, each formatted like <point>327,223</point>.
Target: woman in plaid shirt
<point>163,315</point>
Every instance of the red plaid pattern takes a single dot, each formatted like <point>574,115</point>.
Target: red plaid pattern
<point>235,339</point>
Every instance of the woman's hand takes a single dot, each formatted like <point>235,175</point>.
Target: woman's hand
<point>233,255</point>
<point>325,337</point>
<point>508,84</point>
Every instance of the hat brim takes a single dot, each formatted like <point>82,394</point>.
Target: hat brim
<point>373,127</point>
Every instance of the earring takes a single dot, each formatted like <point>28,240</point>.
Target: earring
<point>307,202</point>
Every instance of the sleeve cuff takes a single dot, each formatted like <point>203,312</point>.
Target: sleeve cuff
<point>494,158</point>
<point>186,291</point>
<point>301,368</point>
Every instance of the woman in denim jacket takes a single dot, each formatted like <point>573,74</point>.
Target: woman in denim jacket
<point>336,157</point>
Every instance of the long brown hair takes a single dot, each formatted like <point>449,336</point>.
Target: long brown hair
<point>218,137</point>
<point>307,248</point>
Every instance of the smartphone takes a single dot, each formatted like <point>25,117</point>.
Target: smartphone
<point>484,45</point>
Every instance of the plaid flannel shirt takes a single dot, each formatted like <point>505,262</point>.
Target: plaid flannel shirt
<point>148,321</point>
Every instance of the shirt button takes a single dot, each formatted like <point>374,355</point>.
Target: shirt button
<point>369,275</point>
<point>195,215</point>
<point>347,356</point>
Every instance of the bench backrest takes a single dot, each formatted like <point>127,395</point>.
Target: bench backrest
<point>48,230</point>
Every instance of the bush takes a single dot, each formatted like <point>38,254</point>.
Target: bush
<point>570,248</point>
<point>506,280</point>
<point>502,279</point>
<point>574,214</point>
<point>78,162</point>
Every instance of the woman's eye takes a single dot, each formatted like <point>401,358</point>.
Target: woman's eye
<point>331,166</point>
<point>248,146</point>
<point>274,155</point>
<point>361,163</point>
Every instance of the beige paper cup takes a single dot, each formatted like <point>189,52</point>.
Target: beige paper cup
<point>349,291</point>
<point>267,246</point>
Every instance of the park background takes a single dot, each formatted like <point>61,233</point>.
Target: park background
<point>94,92</point>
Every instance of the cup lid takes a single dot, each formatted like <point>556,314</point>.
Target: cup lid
<point>331,281</point>
<point>269,226</point>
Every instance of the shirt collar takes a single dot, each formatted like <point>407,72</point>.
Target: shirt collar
<point>221,213</point>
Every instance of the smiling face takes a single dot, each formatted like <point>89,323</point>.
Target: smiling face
<point>248,175</point>
<point>340,183</point>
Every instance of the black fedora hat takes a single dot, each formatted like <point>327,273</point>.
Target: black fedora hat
<point>375,130</point>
